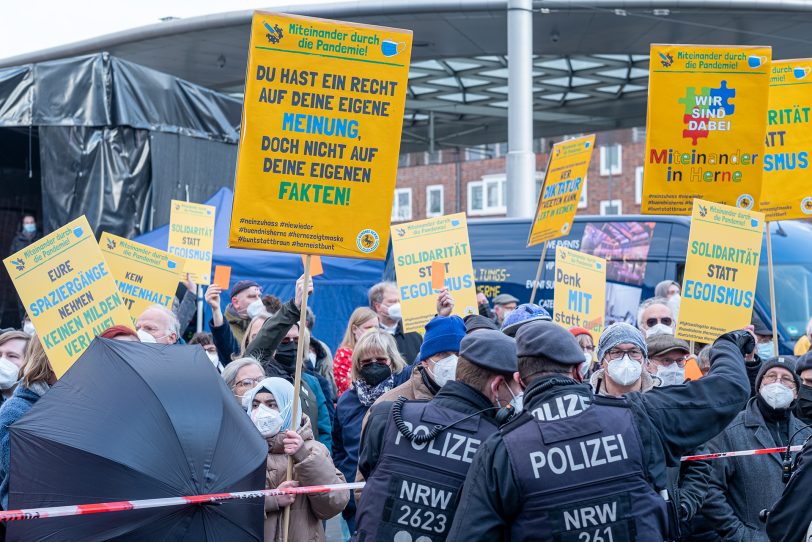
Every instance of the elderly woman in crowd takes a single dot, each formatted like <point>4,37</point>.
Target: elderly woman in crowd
<point>270,405</point>
<point>377,367</point>
<point>242,375</point>
<point>36,378</point>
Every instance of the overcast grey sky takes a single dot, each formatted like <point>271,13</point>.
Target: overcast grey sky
<point>31,25</point>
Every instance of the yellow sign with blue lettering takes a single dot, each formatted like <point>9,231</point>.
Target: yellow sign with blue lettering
<point>707,116</point>
<point>563,183</point>
<point>68,291</point>
<point>144,275</point>
<point>442,241</point>
<point>320,136</point>
<point>786,192</point>
<point>721,270</point>
<point>580,290</point>
<point>191,238</point>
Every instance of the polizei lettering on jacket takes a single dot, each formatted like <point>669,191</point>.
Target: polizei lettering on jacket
<point>562,407</point>
<point>585,454</point>
<point>449,444</point>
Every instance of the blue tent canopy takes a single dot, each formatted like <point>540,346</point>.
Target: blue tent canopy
<point>337,292</point>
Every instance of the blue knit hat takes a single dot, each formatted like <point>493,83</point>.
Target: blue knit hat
<point>618,333</point>
<point>524,313</point>
<point>443,334</point>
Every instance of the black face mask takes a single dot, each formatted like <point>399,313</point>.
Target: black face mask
<point>286,355</point>
<point>375,373</point>
<point>805,400</point>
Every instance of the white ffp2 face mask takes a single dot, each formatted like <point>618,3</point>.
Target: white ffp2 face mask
<point>8,374</point>
<point>145,337</point>
<point>255,309</point>
<point>394,311</point>
<point>625,371</point>
<point>671,375</point>
<point>215,359</point>
<point>776,395</point>
<point>659,329</point>
<point>267,421</point>
<point>445,370</point>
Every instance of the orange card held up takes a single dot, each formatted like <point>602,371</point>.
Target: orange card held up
<point>315,265</point>
<point>692,370</point>
<point>222,276</point>
<point>437,275</point>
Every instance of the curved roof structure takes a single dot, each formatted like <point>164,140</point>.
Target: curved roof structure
<point>590,70</point>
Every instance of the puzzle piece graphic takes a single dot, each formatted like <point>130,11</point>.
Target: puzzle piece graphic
<point>694,135</point>
<point>724,93</point>
<point>689,101</point>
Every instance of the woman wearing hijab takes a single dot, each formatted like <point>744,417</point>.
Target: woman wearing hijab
<point>377,367</point>
<point>270,405</point>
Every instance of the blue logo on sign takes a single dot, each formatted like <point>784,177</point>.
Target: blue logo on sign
<point>78,231</point>
<point>586,145</point>
<point>754,222</point>
<point>171,265</point>
<point>455,222</point>
<point>367,241</point>
<point>391,48</point>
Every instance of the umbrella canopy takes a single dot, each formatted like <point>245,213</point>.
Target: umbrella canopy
<point>136,421</point>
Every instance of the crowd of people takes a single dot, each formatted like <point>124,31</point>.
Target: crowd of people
<point>500,426</point>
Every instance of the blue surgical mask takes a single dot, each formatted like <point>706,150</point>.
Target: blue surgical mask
<point>29,228</point>
<point>765,350</point>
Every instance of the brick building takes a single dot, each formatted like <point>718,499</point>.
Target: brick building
<point>473,179</point>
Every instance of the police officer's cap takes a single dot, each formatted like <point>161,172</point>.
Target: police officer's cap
<point>492,350</point>
<point>550,341</point>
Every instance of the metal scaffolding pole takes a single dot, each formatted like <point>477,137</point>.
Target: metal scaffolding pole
<point>521,162</point>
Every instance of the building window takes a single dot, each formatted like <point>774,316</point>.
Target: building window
<point>611,158</point>
<point>487,197</point>
<point>402,205</point>
<point>539,183</point>
<point>638,185</point>
<point>638,135</point>
<point>434,200</point>
<point>582,203</point>
<point>612,207</point>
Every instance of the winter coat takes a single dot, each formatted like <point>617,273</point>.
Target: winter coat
<point>350,412</point>
<point>670,421</point>
<point>21,241</point>
<point>312,466</point>
<point>648,381</point>
<point>12,410</point>
<point>791,516</point>
<point>741,487</point>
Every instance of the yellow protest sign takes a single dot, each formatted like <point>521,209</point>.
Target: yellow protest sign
<point>786,192</point>
<point>580,290</point>
<point>320,138</point>
<point>707,115</point>
<point>144,275</point>
<point>418,245</point>
<point>191,237</point>
<point>67,289</point>
<point>721,269</point>
<point>563,182</point>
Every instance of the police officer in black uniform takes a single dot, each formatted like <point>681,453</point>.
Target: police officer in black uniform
<point>581,468</point>
<point>415,454</point>
<point>790,520</point>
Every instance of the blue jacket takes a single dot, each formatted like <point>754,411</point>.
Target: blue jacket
<point>11,411</point>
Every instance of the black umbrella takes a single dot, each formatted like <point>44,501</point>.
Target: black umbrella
<point>137,421</point>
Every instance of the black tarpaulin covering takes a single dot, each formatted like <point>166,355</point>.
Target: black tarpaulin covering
<point>97,115</point>
<point>137,421</point>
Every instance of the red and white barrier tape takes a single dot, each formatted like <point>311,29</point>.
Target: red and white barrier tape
<point>720,455</point>
<point>121,506</point>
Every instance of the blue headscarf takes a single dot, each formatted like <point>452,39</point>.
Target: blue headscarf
<point>282,392</point>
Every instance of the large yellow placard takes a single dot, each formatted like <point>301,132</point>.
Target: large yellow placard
<point>415,246</point>
<point>68,291</point>
<point>707,116</point>
<point>320,137</point>
<point>144,275</point>
<point>721,269</point>
<point>786,191</point>
<point>191,237</point>
<point>563,182</point>
<point>580,290</point>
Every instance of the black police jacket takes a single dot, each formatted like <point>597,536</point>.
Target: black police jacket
<point>670,421</point>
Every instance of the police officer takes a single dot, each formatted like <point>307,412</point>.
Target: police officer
<point>415,454</point>
<point>583,468</point>
<point>790,520</point>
